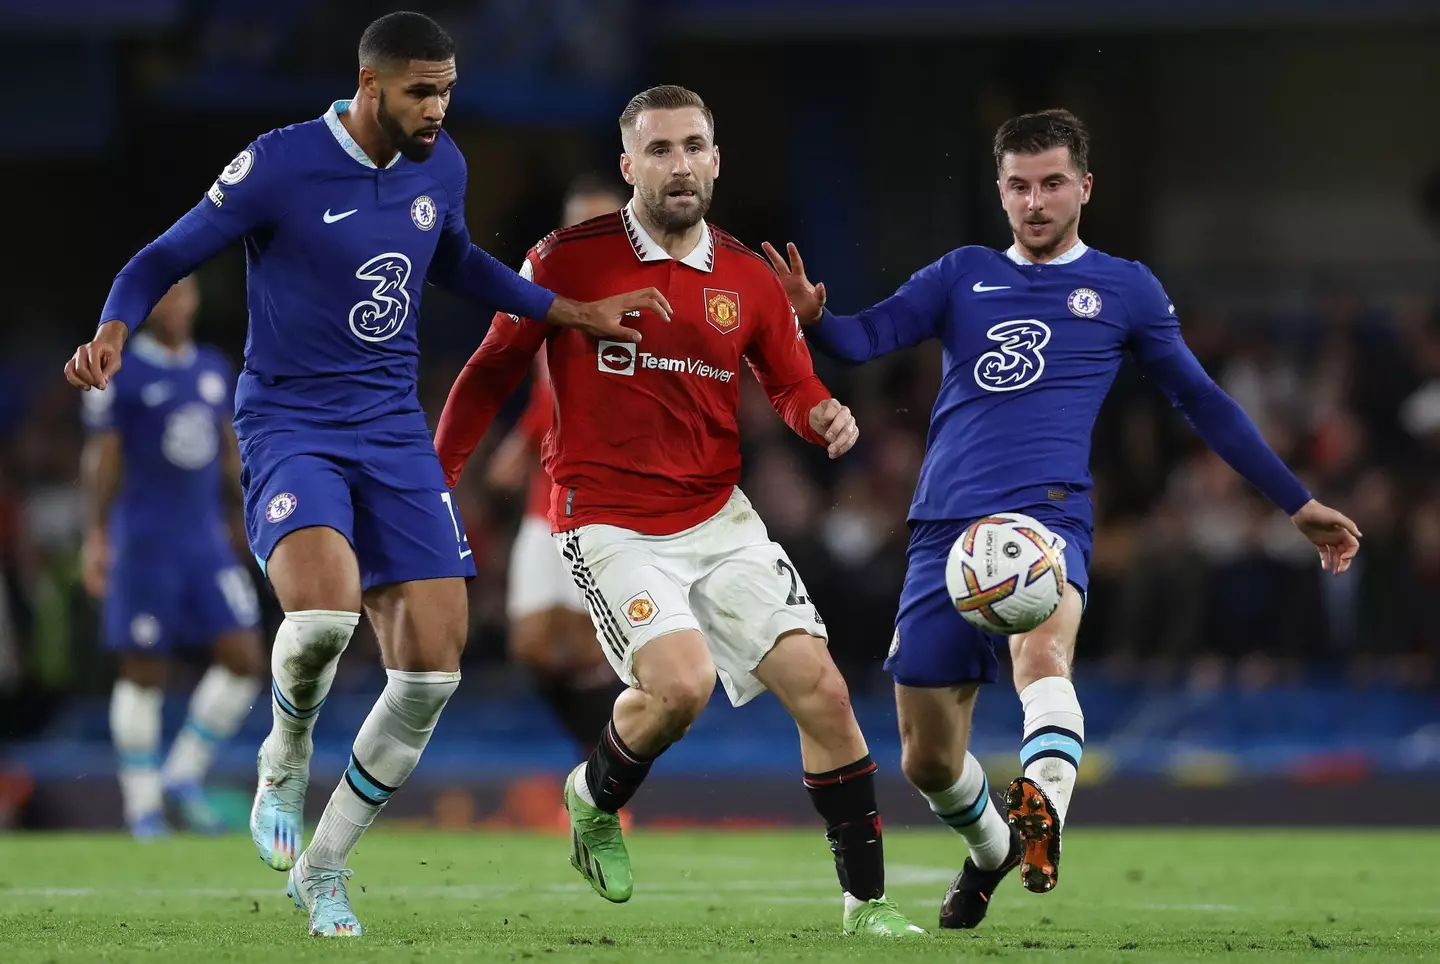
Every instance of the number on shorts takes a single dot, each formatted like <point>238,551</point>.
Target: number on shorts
<point>782,567</point>
<point>461,540</point>
<point>239,593</point>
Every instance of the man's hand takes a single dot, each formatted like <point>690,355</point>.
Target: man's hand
<point>602,319</point>
<point>1335,537</point>
<point>510,465</point>
<point>808,300</point>
<point>95,363</point>
<point>834,423</point>
<point>95,562</point>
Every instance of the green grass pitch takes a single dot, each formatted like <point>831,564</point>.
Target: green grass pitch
<point>1127,896</point>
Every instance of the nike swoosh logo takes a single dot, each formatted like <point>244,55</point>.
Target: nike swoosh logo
<point>332,218</point>
<point>982,286</point>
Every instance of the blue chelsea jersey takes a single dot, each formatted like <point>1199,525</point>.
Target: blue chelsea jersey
<point>337,250</point>
<point>169,409</point>
<point>1030,351</point>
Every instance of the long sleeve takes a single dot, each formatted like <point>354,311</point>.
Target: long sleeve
<point>905,319</point>
<point>490,376</point>
<point>781,362</point>
<point>1218,419</point>
<point>462,267</point>
<point>247,194</point>
<point>539,411</point>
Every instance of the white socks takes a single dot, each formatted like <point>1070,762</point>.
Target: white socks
<point>307,649</point>
<point>1054,738</point>
<point>218,706</point>
<point>135,731</point>
<point>385,751</point>
<point>967,808</point>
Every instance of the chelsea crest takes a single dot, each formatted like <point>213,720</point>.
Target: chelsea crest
<point>422,212</point>
<point>1084,303</point>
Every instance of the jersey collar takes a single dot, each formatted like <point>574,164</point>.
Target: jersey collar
<point>332,121</point>
<point>1074,254</point>
<point>145,346</point>
<point>647,248</point>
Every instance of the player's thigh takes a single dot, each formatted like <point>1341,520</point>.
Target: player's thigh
<point>300,520</point>
<point>634,594</point>
<point>539,580</point>
<point>799,671</point>
<point>933,646</point>
<point>751,598</point>
<point>676,667</point>
<point>536,639</point>
<point>421,624</point>
<point>407,527</point>
<point>934,732</point>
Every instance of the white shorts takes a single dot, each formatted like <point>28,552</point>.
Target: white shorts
<point>723,577</point>
<point>538,579</point>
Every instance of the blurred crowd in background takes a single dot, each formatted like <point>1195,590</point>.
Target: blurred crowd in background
<point>1195,578</point>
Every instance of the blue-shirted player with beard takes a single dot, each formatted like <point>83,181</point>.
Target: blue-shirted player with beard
<point>343,218</point>
<point>1033,338</point>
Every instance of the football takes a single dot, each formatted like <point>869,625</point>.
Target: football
<point>1006,573</point>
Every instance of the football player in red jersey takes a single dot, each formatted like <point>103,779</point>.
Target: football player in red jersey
<point>679,574</point>
<point>550,632</point>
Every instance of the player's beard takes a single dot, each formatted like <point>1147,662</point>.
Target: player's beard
<point>1047,248</point>
<point>670,220</point>
<point>409,145</point>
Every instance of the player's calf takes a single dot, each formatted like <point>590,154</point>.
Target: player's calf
<point>218,706</point>
<point>839,777</point>
<point>385,752</point>
<point>135,704</point>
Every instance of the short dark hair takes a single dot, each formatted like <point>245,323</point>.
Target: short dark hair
<point>592,183</point>
<point>1042,131</point>
<point>663,97</point>
<point>400,37</point>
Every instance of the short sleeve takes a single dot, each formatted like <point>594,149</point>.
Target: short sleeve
<point>97,409</point>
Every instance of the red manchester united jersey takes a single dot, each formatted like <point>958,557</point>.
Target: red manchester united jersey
<point>645,436</point>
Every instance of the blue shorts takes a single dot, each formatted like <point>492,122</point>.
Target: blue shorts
<point>167,596</point>
<point>379,486</point>
<point>933,644</point>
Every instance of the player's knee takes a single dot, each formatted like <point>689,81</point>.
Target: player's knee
<point>1040,654</point>
<point>680,698</point>
<point>241,653</point>
<point>146,671</point>
<point>533,642</point>
<point>320,636</point>
<point>929,768</point>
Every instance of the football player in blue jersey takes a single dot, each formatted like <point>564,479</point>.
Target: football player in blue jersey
<point>1033,337</point>
<point>343,218</point>
<point>160,468</point>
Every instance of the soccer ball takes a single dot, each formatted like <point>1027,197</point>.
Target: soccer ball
<point>1006,573</point>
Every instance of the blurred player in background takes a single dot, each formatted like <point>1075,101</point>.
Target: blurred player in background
<point>550,632</point>
<point>680,576</point>
<point>343,218</point>
<point>162,484</point>
<point>1033,337</point>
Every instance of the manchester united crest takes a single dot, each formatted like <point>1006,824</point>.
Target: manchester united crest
<point>640,609</point>
<point>722,310</point>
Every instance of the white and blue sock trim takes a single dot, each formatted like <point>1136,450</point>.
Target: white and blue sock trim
<point>1052,742</point>
<point>976,810</point>
<point>289,708</point>
<point>366,787</point>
